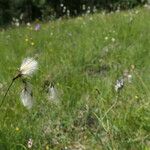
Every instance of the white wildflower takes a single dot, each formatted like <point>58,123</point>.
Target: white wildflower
<point>119,84</point>
<point>28,67</point>
<point>28,24</point>
<point>106,38</point>
<point>94,9</point>
<point>21,16</point>
<point>30,143</point>
<point>83,6</point>
<point>113,40</point>
<point>68,12</point>
<point>26,96</point>
<point>17,24</point>
<point>61,5</point>
<point>64,9</point>
<point>129,77</point>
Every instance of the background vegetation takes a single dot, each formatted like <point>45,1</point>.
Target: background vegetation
<point>83,57</point>
<point>28,10</point>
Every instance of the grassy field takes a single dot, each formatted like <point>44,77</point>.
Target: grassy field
<point>83,57</point>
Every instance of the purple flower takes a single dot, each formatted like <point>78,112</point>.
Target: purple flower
<point>37,27</point>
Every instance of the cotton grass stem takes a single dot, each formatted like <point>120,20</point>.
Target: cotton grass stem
<point>9,88</point>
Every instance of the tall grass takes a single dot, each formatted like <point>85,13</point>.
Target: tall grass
<point>83,57</point>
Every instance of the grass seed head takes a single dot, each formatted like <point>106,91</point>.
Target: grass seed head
<point>26,96</point>
<point>28,67</point>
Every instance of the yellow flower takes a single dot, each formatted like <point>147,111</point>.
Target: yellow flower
<point>136,97</point>
<point>17,129</point>
<point>32,43</point>
<point>47,147</point>
<point>26,39</point>
<point>132,67</point>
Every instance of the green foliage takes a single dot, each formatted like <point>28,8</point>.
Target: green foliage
<point>46,10</point>
<point>83,57</point>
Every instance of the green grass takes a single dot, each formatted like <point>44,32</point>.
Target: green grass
<point>84,66</point>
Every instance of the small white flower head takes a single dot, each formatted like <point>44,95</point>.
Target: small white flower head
<point>26,96</point>
<point>113,40</point>
<point>106,38</point>
<point>52,93</point>
<point>28,24</point>
<point>61,5</point>
<point>129,78</point>
<point>83,6</point>
<point>17,24</point>
<point>119,84</point>
<point>28,67</point>
<point>30,143</point>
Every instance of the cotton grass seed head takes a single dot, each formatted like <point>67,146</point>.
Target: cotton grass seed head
<point>30,143</point>
<point>119,84</point>
<point>26,96</point>
<point>52,93</point>
<point>28,67</point>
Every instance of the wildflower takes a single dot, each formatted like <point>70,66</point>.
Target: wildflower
<point>32,43</point>
<point>129,77</point>
<point>68,12</point>
<point>21,16</point>
<point>132,67</point>
<point>113,40</point>
<point>106,38</point>
<point>83,7</point>
<point>28,24</point>
<point>37,27</point>
<point>47,147</point>
<point>136,12</point>
<point>64,9</point>
<point>61,5</point>
<point>119,84</point>
<point>17,129</point>
<point>28,67</point>
<point>88,10</point>
<point>30,143</point>
<point>94,9</point>
<point>17,24</point>
<point>26,39</point>
<point>65,147</point>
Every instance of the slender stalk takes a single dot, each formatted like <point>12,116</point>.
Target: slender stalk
<point>19,75</point>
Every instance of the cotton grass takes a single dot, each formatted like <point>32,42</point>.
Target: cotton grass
<point>27,68</point>
<point>27,96</point>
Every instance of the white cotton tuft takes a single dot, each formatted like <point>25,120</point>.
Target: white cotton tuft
<point>119,84</point>
<point>28,66</point>
<point>26,97</point>
<point>52,93</point>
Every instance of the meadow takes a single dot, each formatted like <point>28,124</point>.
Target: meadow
<point>83,57</point>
